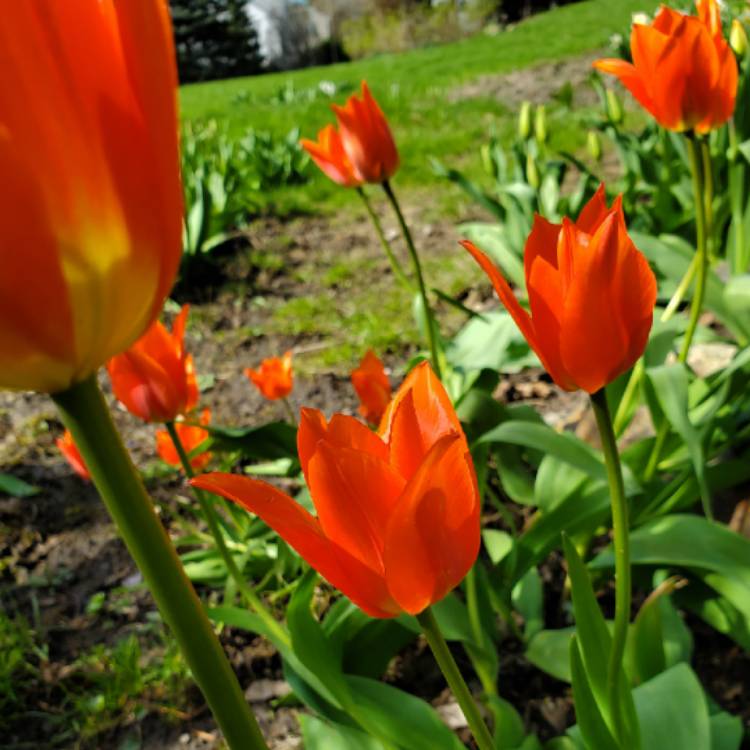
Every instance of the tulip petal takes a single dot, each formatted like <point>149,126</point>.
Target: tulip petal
<point>433,536</point>
<point>541,243</point>
<point>593,339</point>
<point>354,494</point>
<point>303,532</point>
<point>422,413</point>
<point>594,212</point>
<point>504,292</point>
<point>630,78</point>
<point>312,429</point>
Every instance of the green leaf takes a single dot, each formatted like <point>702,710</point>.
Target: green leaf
<point>324,735</point>
<point>492,240</point>
<point>497,543</point>
<point>401,718</point>
<point>672,711</point>
<point>670,386</point>
<point>492,342</point>
<point>737,294</point>
<point>726,731</point>
<point>10,485</point>
<point>266,442</point>
<point>591,723</point>
<point>310,644</point>
<point>550,651</point>
<point>509,730</point>
<point>540,437</point>
<point>528,598</point>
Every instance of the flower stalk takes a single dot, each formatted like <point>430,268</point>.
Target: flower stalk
<point>620,531</point>
<point>209,514</point>
<point>431,332</point>
<point>86,415</point>
<point>455,680</point>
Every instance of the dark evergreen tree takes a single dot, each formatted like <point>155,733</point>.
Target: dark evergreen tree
<point>214,39</point>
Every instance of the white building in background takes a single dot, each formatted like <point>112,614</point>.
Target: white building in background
<point>288,30</point>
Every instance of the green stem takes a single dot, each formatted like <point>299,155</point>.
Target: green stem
<point>290,411</point>
<point>392,259</point>
<point>209,514</point>
<point>434,354</point>
<point>620,531</point>
<point>701,195</point>
<point>631,389</point>
<point>450,671</point>
<point>86,415</point>
<point>700,166</point>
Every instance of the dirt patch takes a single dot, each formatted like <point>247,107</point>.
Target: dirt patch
<point>538,84</point>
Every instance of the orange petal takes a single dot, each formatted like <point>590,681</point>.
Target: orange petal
<point>354,493</point>
<point>312,429</point>
<point>303,532</point>
<point>422,413</point>
<point>433,536</point>
<point>631,78</point>
<point>519,315</point>
<point>592,336</point>
<point>541,243</point>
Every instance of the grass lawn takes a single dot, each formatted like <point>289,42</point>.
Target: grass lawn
<point>413,89</point>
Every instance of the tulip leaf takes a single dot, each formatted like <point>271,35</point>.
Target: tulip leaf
<point>309,642</point>
<point>539,437</point>
<point>497,543</point>
<point>670,386</point>
<point>549,650</point>
<point>591,723</point>
<point>492,240</point>
<point>400,718</point>
<point>266,442</point>
<point>325,735</point>
<point>15,487</point>
<point>528,599</point>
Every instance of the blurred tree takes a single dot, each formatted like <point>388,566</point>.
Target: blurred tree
<point>214,39</point>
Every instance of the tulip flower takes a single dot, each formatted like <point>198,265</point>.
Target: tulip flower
<point>155,378</point>
<point>591,294</point>
<point>91,202</point>
<point>366,138</point>
<point>329,154</point>
<point>191,436</point>
<point>372,386</point>
<point>397,523</point>
<point>683,71</point>
<point>70,452</point>
<point>274,377</point>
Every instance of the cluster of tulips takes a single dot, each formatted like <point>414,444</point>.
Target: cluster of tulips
<point>91,216</point>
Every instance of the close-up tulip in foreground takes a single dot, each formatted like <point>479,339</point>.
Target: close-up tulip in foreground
<point>284,466</point>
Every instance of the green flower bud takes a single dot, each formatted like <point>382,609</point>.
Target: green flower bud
<point>532,173</point>
<point>524,121</point>
<point>540,124</point>
<point>614,108</point>
<point>594,145</point>
<point>738,38</point>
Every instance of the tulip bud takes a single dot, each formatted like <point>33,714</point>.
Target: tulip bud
<point>614,108</point>
<point>532,173</point>
<point>524,121</point>
<point>540,124</point>
<point>594,145</point>
<point>738,38</point>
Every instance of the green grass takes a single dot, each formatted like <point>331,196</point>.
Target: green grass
<point>413,89</point>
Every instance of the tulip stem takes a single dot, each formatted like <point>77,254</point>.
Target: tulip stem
<point>700,165</point>
<point>209,514</point>
<point>289,410</point>
<point>620,531</point>
<point>431,333</point>
<point>392,259</point>
<point>455,680</point>
<point>623,408</point>
<point>86,415</point>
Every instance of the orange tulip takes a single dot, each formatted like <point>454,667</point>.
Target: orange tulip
<point>191,436</point>
<point>683,72</point>
<point>397,523</point>
<point>274,378</point>
<point>366,138</point>
<point>90,196</point>
<point>72,455</point>
<point>591,294</point>
<point>155,378</point>
<point>329,154</point>
<point>372,386</point>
